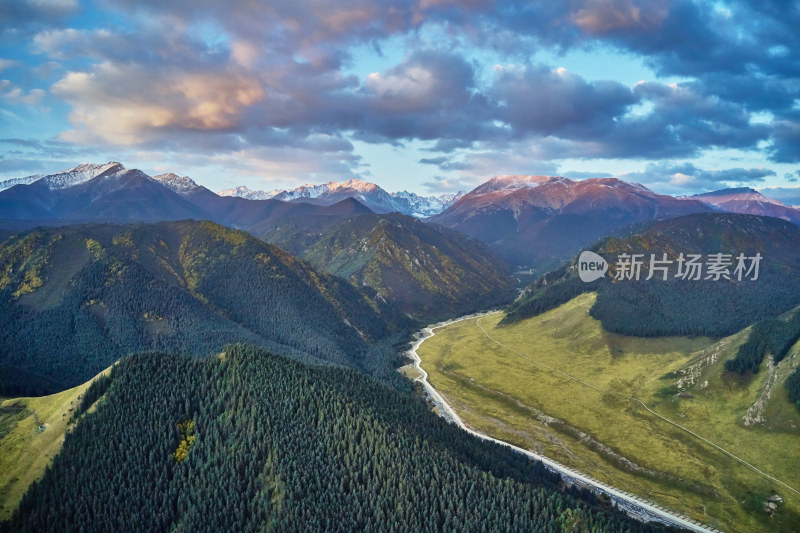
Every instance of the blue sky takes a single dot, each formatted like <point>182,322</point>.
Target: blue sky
<point>430,96</point>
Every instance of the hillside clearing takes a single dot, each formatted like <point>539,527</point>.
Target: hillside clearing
<point>31,433</point>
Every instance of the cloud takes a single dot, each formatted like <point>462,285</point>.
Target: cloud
<point>429,95</point>
<point>12,94</point>
<point>18,13</point>
<point>99,44</point>
<point>426,81</point>
<point>302,27</point>
<point>476,166</point>
<point>445,163</point>
<point>785,146</point>
<point>21,157</point>
<point>111,104</point>
<point>204,76</point>
<point>686,178</point>
<point>583,175</point>
<point>787,195</point>
<point>604,17</point>
<point>442,184</point>
<point>534,99</point>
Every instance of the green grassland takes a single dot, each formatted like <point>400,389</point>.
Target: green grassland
<point>594,427</point>
<point>32,431</point>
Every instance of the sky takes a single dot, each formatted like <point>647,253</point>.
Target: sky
<point>429,96</point>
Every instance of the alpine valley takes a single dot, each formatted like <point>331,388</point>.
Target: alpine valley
<point>175,359</point>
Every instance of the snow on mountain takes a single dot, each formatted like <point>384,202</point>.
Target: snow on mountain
<point>425,206</point>
<point>369,194</point>
<point>27,180</point>
<point>248,194</point>
<point>67,178</point>
<point>179,184</point>
<point>354,186</point>
<point>510,183</point>
<point>537,221</point>
<point>307,191</point>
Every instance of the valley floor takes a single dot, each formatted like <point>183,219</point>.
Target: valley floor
<point>608,405</point>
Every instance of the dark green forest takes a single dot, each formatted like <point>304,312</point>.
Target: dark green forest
<point>658,308</point>
<point>73,300</point>
<point>775,337</point>
<point>793,386</point>
<point>772,336</point>
<point>429,272</point>
<point>251,441</point>
<point>691,308</point>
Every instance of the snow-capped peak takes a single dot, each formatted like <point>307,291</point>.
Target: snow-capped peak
<point>510,183</point>
<point>315,191</point>
<point>249,194</point>
<point>179,184</point>
<point>425,206</point>
<point>27,180</point>
<point>367,193</point>
<point>81,174</point>
<point>67,178</point>
<point>355,184</point>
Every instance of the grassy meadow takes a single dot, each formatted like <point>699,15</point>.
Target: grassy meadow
<point>517,391</point>
<point>32,431</point>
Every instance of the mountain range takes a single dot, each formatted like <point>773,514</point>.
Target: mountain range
<point>107,192</point>
<point>66,178</point>
<point>459,272</point>
<point>539,221</point>
<point>369,194</point>
<point>530,222</point>
<point>77,298</point>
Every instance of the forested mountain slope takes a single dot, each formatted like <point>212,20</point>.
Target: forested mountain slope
<point>75,299</point>
<point>680,306</point>
<point>428,272</point>
<point>249,441</point>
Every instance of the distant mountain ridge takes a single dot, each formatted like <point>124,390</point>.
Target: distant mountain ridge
<point>66,178</point>
<point>427,271</point>
<point>370,194</point>
<point>242,191</point>
<point>529,221</point>
<point>745,200</point>
<point>107,192</point>
<point>179,184</point>
<point>539,221</point>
